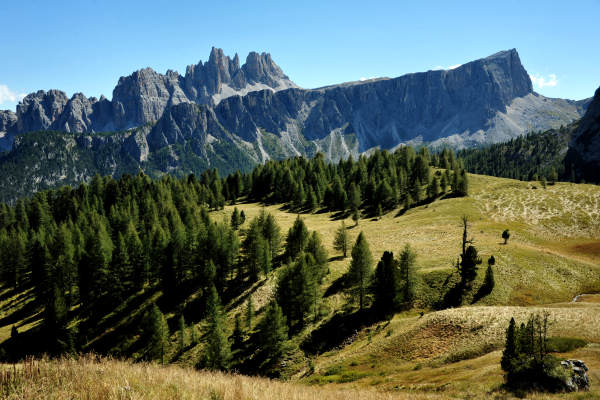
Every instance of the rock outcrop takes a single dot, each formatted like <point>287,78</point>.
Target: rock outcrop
<point>583,157</point>
<point>578,380</point>
<point>143,96</point>
<point>485,101</point>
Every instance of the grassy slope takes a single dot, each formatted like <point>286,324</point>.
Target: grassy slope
<point>90,378</point>
<point>553,255</point>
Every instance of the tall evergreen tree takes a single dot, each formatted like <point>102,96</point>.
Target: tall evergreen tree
<point>271,232</point>
<point>297,238</point>
<point>510,349</point>
<point>341,241</point>
<point>237,336</point>
<point>235,219</point>
<point>318,257</point>
<point>182,331</point>
<point>408,274</point>
<point>386,284</point>
<point>273,338</point>
<point>158,334</point>
<point>296,291</point>
<point>360,268</point>
<point>249,313</point>
<point>218,352</point>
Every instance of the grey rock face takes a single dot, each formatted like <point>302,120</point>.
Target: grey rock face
<point>143,96</point>
<point>578,380</point>
<point>8,120</point>
<point>37,111</point>
<point>583,157</point>
<point>484,101</point>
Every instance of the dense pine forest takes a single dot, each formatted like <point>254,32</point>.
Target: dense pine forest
<point>536,156</point>
<point>92,255</point>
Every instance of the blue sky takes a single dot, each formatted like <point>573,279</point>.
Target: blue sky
<point>86,45</point>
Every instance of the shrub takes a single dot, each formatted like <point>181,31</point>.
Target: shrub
<point>564,344</point>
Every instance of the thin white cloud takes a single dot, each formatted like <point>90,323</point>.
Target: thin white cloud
<point>439,67</point>
<point>541,82</point>
<point>9,96</point>
<point>362,79</point>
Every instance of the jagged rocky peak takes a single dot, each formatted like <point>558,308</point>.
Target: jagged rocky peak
<point>39,110</point>
<point>143,96</point>
<point>8,120</point>
<point>261,68</point>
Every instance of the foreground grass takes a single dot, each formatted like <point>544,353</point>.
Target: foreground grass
<point>93,378</point>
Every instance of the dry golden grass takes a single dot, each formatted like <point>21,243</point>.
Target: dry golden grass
<point>552,254</point>
<point>92,378</point>
<point>455,352</point>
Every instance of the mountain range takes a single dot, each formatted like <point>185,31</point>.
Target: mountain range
<point>220,114</point>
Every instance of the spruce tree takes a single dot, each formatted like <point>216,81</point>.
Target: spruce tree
<point>56,321</point>
<point>360,269</point>
<point>318,256</point>
<point>249,313</point>
<point>341,241</point>
<point>356,216</point>
<point>408,274</point>
<point>297,238</point>
<point>354,198</point>
<point>218,352</point>
<point>271,232</point>
<point>468,265</point>
<point>273,338</point>
<point>510,348</point>
<point>237,336</point>
<point>296,292</point>
<point>182,330</point>
<point>158,334</point>
<point>235,219</point>
<point>386,284</point>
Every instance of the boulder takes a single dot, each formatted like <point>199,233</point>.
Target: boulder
<point>578,379</point>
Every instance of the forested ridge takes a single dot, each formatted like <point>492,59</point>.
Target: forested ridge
<point>149,252</point>
<point>534,156</point>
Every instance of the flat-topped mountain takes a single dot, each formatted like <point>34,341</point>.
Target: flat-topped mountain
<point>224,115</point>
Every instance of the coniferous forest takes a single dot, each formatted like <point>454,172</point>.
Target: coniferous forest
<point>533,157</point>
<point>147,256</point>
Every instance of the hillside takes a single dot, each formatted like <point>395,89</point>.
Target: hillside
<point>551,257</point>
<point>534,156</point>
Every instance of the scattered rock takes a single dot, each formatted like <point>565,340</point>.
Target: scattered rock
<point>579,379</point>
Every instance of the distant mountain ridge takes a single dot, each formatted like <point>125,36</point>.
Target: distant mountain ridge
<point>224,115</point>
<point>143,96</point>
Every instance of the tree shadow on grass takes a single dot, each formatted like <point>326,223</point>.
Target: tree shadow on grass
<point>339,331</point>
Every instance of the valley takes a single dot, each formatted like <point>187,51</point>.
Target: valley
<point>436,354</point>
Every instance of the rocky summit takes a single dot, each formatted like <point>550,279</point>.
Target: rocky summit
<point>220,114</point>
<point>143,96</point>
